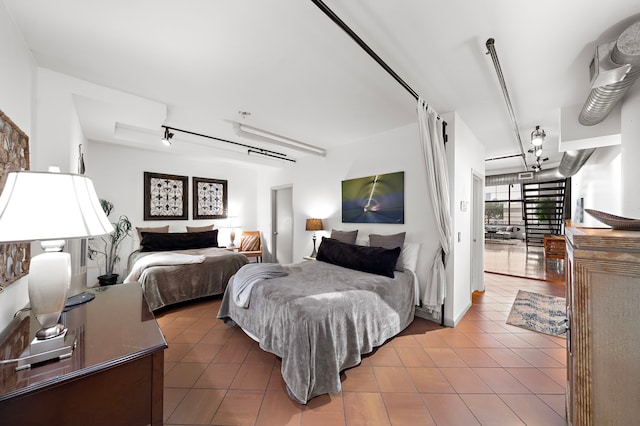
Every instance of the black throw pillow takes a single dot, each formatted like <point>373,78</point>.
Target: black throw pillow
<point>375,260</point>
<point>152,241</point>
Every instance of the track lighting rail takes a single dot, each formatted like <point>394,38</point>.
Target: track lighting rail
<point>339,22</point>
<point>491,50</point>
<point>250,149</point>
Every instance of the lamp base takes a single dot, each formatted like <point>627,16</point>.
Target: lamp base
<point>59,347</point>
<point>314,253</point>
<point>51,332</point>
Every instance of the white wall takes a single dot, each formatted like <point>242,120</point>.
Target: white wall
<point>468,156</point>
<point>598,183</point>
<point>631,153</point>
<point>118,175</point>
<point>17,76</point>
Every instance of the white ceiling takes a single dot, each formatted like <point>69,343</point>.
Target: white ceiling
<point>301,76</point>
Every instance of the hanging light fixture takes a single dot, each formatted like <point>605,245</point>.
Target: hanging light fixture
<point>537,136</point>
<point>166,139</point>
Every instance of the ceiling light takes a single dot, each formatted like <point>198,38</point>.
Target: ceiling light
<point>537,136</point>
<point>538,151</point>
<point>250,132</point>
<point>166,139</point>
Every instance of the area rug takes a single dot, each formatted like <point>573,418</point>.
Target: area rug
<point>539,312</point>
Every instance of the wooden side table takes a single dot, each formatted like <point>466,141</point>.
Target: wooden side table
<point>113,377</point>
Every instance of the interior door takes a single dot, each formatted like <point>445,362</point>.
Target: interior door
<point>477,233</point>
<point>282,224</point>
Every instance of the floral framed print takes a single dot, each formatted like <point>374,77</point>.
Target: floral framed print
<point>209,198</point>
<point>166,197</point>
<point>14,157</point>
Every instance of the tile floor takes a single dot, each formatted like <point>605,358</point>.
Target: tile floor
<point>483,371</point>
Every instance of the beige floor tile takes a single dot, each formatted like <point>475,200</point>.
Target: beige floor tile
<point>184,374</point>
<point>393,379</point>
<point>429,380</point>
<point>197,407</point>
<point>532,410</point>
<point>406,409</point>
<point>278,409</point>
<point>449,410</point>
<point>239,407</point>
<point>536,380</point>
<point>465,380</point>
<point>324,410</point>
<point>364,408</point>
<point>491,410</point>
<point>414,357</point>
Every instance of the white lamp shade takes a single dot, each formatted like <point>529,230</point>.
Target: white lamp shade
<point>50,206</point>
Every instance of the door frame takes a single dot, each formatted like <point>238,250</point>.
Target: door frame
<point>274,219</point>
<point>476,281</point>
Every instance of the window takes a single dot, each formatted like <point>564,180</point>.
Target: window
<point>503,205</point>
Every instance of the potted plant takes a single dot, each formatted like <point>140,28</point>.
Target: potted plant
<point>108,245</point>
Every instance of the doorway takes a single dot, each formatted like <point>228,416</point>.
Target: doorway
<point>282,224</point>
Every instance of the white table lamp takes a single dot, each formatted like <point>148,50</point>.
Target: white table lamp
<point>49,207</point>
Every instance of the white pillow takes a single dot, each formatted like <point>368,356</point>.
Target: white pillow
<point>410,253</point>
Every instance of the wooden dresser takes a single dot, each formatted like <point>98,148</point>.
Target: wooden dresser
<point>113,377</point>
<point>603,345</point>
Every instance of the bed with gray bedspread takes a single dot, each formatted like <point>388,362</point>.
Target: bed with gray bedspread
<point>165,285</point>
<point>320,319</point>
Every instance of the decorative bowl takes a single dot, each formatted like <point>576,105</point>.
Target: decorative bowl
<point>616,222</point>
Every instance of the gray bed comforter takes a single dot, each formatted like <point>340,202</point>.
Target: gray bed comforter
<point>320,319</point>
<point>169,284</point>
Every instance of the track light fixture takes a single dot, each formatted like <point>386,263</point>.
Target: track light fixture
<point>537,136</point>
<point>250,149</point>
<point>166,139</point>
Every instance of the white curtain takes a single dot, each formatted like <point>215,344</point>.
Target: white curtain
<point>438,183</point>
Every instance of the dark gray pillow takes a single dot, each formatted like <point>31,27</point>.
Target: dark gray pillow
<point>375,260</point>
<point>389,242</point>
<point>348,237</point>
<point>178,240</point>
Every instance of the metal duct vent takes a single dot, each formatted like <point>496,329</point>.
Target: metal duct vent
<point>614,69</point>
<point>511,178</point>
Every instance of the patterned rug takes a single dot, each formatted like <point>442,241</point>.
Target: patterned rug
<point>539,312</point>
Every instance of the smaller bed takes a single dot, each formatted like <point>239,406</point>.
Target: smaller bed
<point>170,273</point>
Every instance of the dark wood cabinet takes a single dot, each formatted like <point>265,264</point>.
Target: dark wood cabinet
<point>603,345</point>
<point>113,377</point>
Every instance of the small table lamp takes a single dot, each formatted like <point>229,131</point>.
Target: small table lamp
<point>49,207</point>
<point>234,223</point>
<point>314,225</point>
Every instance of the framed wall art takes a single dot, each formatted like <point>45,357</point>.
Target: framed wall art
<point>209,198</point>
<point>374,199</point>
<point>166,197</point>
<point>14,156</point>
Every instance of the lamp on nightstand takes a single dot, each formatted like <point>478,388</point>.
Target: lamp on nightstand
<point>234,223</point>
<point>314,225</point>
<point>49,207</point>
